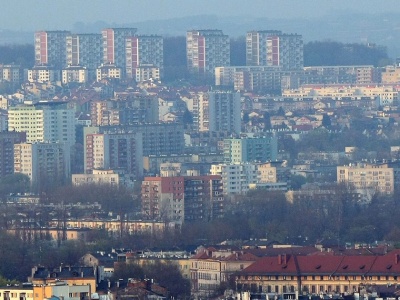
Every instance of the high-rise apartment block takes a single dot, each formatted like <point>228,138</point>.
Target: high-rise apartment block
<point>158,138</point>
<point>132,110</point>
<point>7,141</point>
<point>256,46</point>
<point>217,111</point>
<point>50,48</point>
<point>43,162</point>
<point>144,52</point>
<point>182,198</point>
<point>206,50</point>
<point>84,50</point>
<point>114,45</point>
<point>286,51</point>
<point>237,177</point>
<point>44,122</point>
<point>274,48</point>
<point>250,149</point>
<point>116,151</point>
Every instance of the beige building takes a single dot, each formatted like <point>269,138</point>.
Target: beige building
<point>391,75</point>
<point>210,267</point>
<point>337,92</point>
<point>379,178</point>
<point>16,293</point>
<point>108,71</point>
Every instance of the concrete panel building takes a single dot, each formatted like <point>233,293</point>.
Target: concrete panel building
<point>50,48</point>
<point>44,122</point>
<point>144,56</point>
<point>206,50</point>
<point>123,151</point>
<point>44,163</point>
<point>114,46</point>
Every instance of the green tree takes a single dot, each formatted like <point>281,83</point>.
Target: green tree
<point>267,121</point>
<point>326,121</point>
<point>14,183</point>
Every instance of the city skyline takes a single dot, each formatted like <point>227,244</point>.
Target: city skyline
<point>52,15</point>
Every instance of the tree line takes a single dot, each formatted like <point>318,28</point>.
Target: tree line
<point>316,53</point>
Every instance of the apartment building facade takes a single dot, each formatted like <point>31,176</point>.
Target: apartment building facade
<point>379,178</point>
<point>7,141</point>
<point>44,122</point>
<point>217,111</point>
<point>50,48</point>
<point>114,46</point>
<point>250,149</point>
<point>84,50</point>
<point>256,46</point>
<point>143,54</point>
<point>182,198</point>
<point>43,162</point>
<point>117,151</point>
<point>206,50</point>
<point>157,138</point>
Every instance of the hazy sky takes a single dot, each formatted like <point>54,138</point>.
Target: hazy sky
<point>62,14</point>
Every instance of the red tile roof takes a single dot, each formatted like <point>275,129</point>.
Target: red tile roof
<point>335,265</point>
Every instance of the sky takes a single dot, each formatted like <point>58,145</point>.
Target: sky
<point>31,15</point>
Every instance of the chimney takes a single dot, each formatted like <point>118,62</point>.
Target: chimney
<point>396,258</point>
<point>279,259</point>
<point>284,259</point>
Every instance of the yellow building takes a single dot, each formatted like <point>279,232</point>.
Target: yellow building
<point>62,290</point>
<point>71,276</point>
<point>391,75</point>
<point>16,293</point>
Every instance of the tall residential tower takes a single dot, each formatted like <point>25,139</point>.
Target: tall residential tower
<point>205,50</point>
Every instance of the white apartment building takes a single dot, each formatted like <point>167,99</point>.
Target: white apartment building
<point>43,162</point>
<point>97,177</point>
<point>206,50</point>
<point>11,73</point>
<point>337,92</point>
<point>74,74</point>
<point>44,122</point>
<point>108,71</point>
<point>147,73</point>
<point>43,74</point>
<point>236,178</point>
